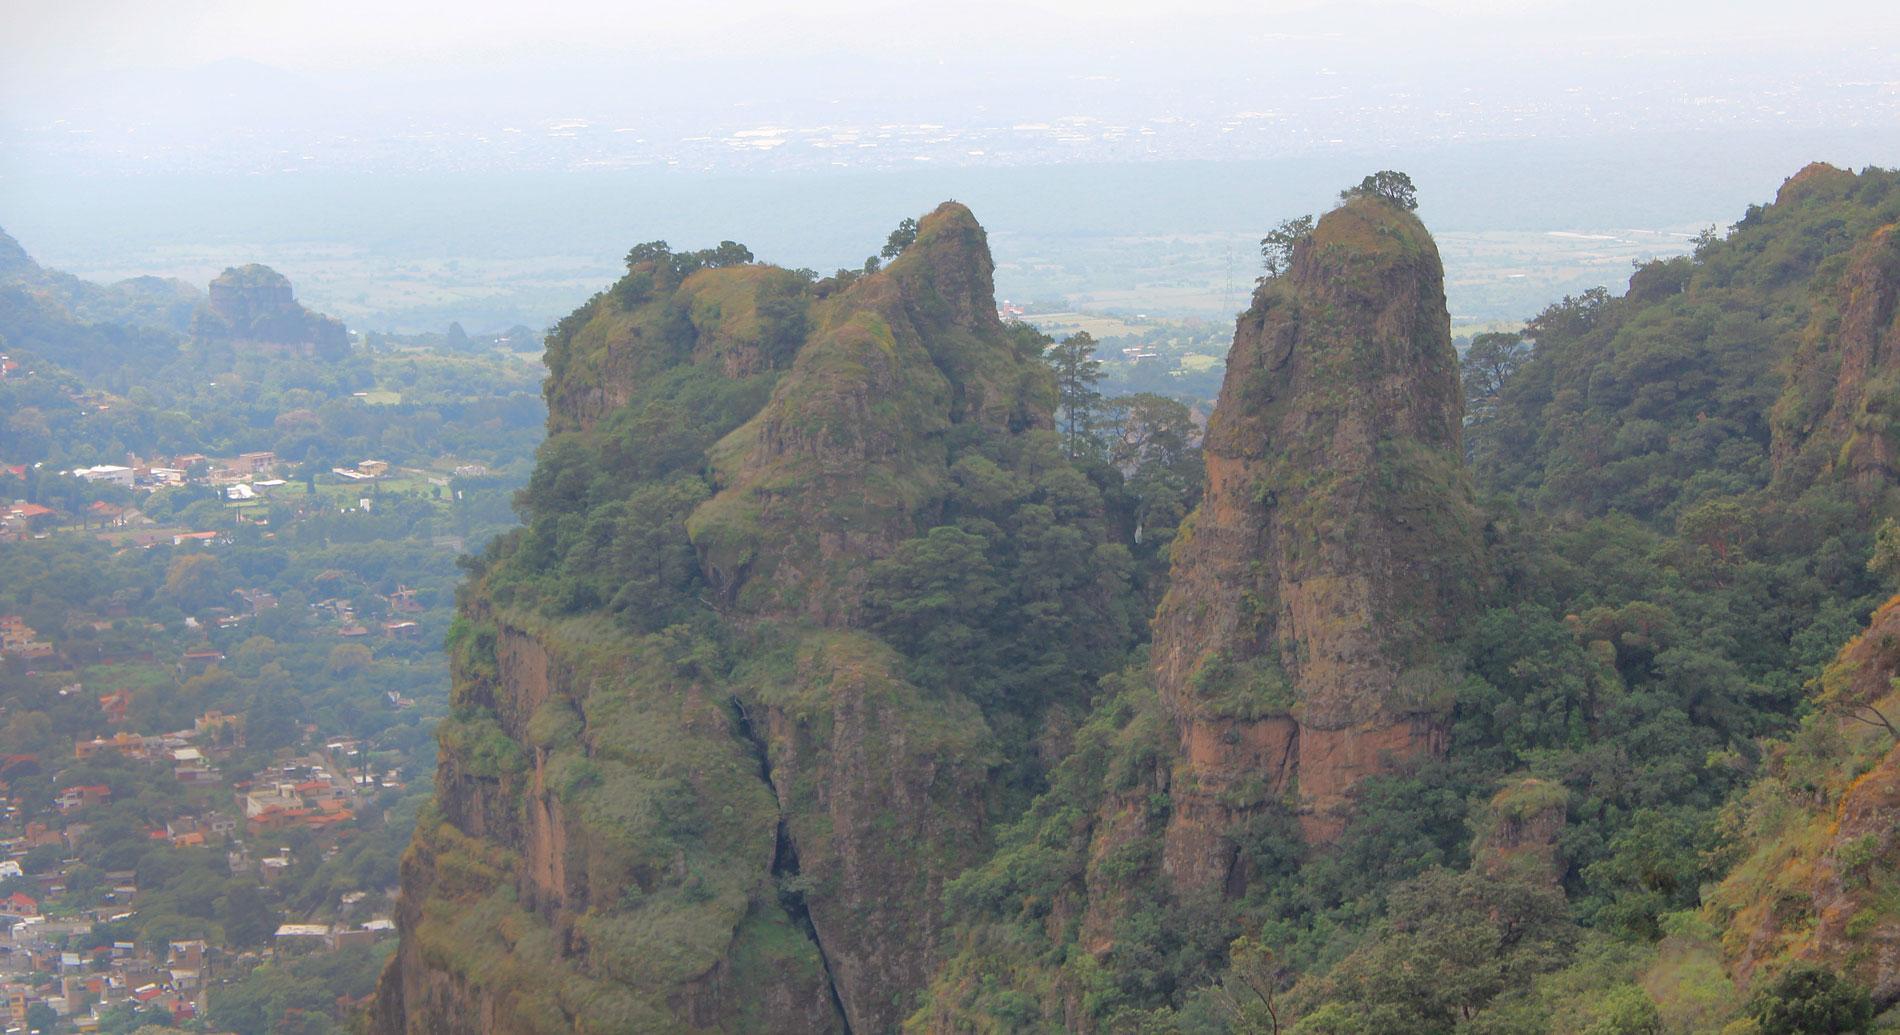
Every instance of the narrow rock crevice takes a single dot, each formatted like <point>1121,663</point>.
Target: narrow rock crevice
<point>785,863</point>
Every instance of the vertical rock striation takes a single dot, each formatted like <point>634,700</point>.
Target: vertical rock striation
<point>1839,414</point>
<point>1300,648</point>
<point>742,821</point>
<point>884,786</point>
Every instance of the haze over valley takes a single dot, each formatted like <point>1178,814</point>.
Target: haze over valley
<point>1223,518</point>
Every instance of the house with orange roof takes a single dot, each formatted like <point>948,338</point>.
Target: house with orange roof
<point>15,633</point>
<point>115,705</point>
<point>122,743</point>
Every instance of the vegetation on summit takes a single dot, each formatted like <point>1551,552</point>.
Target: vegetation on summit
<point>1495,693</point>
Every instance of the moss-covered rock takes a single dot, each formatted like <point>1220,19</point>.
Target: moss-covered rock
<point>713,799</point>
<point>1300,643</point>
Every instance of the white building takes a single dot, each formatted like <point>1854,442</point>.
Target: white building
<point>112,473</point>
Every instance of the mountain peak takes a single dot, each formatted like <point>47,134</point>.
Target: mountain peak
<point>1815,180</point>
<point>1302,638</point>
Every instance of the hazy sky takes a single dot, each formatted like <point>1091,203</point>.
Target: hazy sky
<point>135,131</point>
<point>257,86</point>
<point>80,37</point>
<point>354,34</point>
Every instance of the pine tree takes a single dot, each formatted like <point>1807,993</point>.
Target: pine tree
<point>1077,374</point>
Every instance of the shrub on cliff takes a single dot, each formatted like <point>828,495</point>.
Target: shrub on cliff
<point>1811,1000</point>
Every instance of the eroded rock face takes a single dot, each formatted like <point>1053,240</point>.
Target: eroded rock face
<point>1840,413</point>
<point>884,791</point>
<point>883,786</point>
<point>1299,648</point>
<point>252,307</point>
<point>629,842</point>
<point>533,901</point>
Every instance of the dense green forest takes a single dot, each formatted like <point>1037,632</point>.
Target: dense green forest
<point>835,592</point>
<point>1664,599</point>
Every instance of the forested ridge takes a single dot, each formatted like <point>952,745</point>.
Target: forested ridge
<point>858,667</point>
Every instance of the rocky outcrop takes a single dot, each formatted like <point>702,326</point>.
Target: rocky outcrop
<point>631,837</point>
<point>847,459</point>
<point>1816,180</point>
<point>252,309</point>
<point>1519,830</point>
<point>602,855</point>
<point>1840,413</point>
<point>15,263</point>
<point>884,787</point>
<point>884,792</point>
<point>1300,645</point>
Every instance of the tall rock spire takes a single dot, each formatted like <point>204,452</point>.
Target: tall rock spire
<point>1301,646</point>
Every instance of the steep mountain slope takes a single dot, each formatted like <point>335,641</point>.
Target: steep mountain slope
<point>709,768</point>
<point>1837,414</point>
<point>1684,486</point>
<point>1677,388</point>
<point>98,330</point>
<point>1702,464</point>
<point>154,302</point>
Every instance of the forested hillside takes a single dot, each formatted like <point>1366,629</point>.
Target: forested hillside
<point>220,657</point>
<point>838,680</point>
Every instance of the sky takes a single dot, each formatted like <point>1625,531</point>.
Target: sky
<point>343,138</point>
<point>136,86</point>
<point>325,36</point>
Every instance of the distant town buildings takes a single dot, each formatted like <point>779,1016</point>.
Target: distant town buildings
<point>112,474</point>
<point>367,470</point>
<point>255,463</point>
<point>19,640</point>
